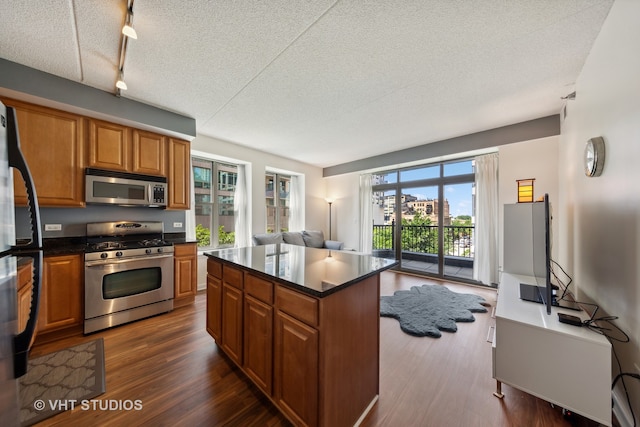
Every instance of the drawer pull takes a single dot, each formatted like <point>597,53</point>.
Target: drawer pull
<point>493,312</point>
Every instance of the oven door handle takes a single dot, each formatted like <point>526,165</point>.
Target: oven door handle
<point>104,262</point>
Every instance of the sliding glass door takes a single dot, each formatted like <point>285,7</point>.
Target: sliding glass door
<point>426,218</point>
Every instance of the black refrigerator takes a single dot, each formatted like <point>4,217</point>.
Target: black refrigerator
<point>15,343</point>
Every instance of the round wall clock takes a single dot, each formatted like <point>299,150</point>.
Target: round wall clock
<point>594,156</point>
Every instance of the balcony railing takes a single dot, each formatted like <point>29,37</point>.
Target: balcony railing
<point>423,239</point>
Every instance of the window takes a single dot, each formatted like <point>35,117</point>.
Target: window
<point>278,202</point>
<point>214,186</point>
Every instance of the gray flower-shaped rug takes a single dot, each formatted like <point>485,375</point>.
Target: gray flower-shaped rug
<point>426,310</point>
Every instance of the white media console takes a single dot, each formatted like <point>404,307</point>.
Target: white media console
<point>563,364</point>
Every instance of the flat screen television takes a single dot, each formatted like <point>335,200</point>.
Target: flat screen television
<point>542,290</point>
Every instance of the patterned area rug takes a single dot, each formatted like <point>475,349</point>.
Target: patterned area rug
<point>426,310</point>
<point>53,381</point>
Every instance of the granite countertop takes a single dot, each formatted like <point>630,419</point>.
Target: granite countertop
<point>317,272</point>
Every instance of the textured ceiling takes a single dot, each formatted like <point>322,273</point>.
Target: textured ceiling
<point>324,82</point>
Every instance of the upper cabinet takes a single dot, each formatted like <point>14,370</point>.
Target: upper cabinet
<point>52,142</point>
<point>59,145</point>
<point>179,174</point>
<point>149,153</point>
<point>109,146</point>
<point>121,148</point>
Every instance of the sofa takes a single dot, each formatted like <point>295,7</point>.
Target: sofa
<point>309,238</point>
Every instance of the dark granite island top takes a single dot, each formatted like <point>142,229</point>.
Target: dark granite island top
<point>316,272</point>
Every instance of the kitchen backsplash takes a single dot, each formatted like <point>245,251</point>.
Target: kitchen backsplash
<point>72,222</point>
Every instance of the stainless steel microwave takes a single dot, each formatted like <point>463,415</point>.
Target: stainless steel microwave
<point>125,189</point>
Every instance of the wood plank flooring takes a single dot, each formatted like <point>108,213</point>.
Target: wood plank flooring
<point>175,369</point>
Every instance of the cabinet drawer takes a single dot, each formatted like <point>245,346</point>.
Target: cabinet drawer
<point>300,306</point>
<point>232,276</point>
<point>214,268</point>
<point>259,288</point>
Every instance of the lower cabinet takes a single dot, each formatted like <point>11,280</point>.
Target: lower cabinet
<point>231,339</point>
<point>258,342</point>
<point>62,293</point>
<point>296,366</point>
<point>185,271</point>
<point>316,359</point>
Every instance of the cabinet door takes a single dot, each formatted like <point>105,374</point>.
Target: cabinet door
<point>185,273</point>
<point>296,369</point>
<point>62,293</point>
<point>53,146</point>
<point>232,322</point>
<point>149,150</point>
<point>109,146</point>
<point>179,178</point>
<point>258,342</point>
<point>214,307</point>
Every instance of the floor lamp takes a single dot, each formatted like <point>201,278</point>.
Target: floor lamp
<point>330,201</point>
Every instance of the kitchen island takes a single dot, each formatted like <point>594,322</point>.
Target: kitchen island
<point>303,324</point>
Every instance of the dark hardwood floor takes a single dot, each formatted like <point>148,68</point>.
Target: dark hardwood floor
<point>175,369</point>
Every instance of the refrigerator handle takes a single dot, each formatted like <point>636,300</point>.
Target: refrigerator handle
<point>22,341</point>
<point>16,160</point>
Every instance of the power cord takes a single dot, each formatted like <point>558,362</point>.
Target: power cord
<point>591,324</point>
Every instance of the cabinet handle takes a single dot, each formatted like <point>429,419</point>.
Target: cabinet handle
<point>490,334</point>
<point>493,312</point>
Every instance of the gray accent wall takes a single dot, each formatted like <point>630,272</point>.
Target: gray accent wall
<point>27,84</point>
<point>525,131</point>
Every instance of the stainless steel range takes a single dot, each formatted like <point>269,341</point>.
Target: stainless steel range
<point>128,273</point>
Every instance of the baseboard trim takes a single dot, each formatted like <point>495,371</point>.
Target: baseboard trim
<point>621,409</point>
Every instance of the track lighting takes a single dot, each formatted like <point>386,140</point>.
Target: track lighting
<point>128,29</point>
<point>120,84</point>
<point>128,33</point>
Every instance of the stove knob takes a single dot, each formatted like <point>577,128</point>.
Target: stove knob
<point>147,251</point>
<point>103,255</point>
<point>160,250</point>
<point>118,253</point>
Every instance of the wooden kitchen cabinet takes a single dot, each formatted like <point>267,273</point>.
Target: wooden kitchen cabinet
<point>149,152</point>
<point>122,148</point>
<point>109,146</point>
<point>258,342</point>
<point>52,142</point>
<point>231,339</point>
<point>214,299</point>
<point>179,179</point>
<point>62,293</point>
<point>315,358</point>
<point>185,271</point>
<point>296,369</point>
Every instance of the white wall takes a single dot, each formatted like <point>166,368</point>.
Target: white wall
<point>600,241</point>
<point>316,210</point>
<point>530,159</point>
<point>344,190</point>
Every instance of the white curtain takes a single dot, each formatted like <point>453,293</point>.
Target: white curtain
<point>296,203</point>
<point>190,215</point>
<point>240,209</point>
<point>485,267</point>
<point>366,214</point>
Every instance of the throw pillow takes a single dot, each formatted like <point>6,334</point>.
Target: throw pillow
<point>313,239</point>
<point>293,238</point>
<point>267,239</point>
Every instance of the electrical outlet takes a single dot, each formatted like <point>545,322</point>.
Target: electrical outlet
<point>52,227</point>
<point>177,225</point>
